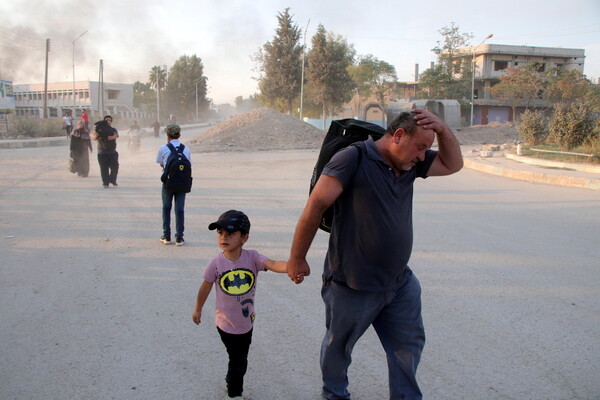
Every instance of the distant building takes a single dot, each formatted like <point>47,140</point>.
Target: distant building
<point>116,99</point>
<point>491,61</point>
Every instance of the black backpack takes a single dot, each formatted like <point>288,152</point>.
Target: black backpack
<point>341,133</point>
<point>177,172</point>
<point>104,130</point>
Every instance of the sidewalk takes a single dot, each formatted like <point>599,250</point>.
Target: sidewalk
<point>533,170</point>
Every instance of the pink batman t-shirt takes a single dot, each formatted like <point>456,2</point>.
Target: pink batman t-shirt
<point>235,286</point>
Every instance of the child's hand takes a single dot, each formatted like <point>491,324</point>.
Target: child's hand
<point>197,317</point>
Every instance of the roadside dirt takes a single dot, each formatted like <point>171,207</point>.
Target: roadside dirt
<point>266,129</point>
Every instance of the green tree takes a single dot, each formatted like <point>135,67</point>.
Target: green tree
<point>328,64</point>
<point>186,81</point>
<point>452,60</point>
<point>244,105</point>
<point>450,78</point>
<point>434,83</point>
<point>373,77</point>
<point>564,86</point>
<point>143,94</point>
<point>280,64</point>
<point>157,77</point>
<point>571,125</point>
<point>519,86</point>
<point>533,127</point>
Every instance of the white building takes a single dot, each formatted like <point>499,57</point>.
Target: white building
<point>98,98</point>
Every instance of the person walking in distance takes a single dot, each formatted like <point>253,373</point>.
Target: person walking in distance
<point>156,127</point>
<point>68,122</point>
<point>108,157</point>
<point>169,194</point>
<point>366,277</point>
<point>85,119</point>
<point>81,147</point>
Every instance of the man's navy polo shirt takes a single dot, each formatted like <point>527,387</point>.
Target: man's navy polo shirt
<point>372,235</point>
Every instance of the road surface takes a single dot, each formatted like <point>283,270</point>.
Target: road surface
<point>93,306</point>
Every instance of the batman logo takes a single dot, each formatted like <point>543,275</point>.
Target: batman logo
<point>237,282</point>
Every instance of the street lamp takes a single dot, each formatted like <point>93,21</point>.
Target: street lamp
<point>473,75</point>
<point>302,81</point>
<point>75,97</point>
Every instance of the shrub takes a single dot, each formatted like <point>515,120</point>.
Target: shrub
<point>532,127</point>
<point>570,125</point>
<point>35,127</point>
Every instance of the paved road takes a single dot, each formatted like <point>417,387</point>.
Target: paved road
<point>93,306</point>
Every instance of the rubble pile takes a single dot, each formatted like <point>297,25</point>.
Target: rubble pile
<point>264,129</point>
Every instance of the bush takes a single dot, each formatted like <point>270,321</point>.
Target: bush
<point>35,127</point>
<point>532,127</point>
<point>571,125</point>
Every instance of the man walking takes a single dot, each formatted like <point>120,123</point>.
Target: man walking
<point>108,158</point>
<point>173,132</point>
<point>366,277</point>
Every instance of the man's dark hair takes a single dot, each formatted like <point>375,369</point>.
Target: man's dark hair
<point>107,116</point>
<point>406,121</point>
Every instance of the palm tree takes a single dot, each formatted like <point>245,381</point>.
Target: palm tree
<point>157,78</point>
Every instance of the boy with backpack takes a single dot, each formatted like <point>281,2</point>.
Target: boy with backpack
<point>176,161</point>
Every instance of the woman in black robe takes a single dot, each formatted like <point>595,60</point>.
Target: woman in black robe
<point>81,143</point>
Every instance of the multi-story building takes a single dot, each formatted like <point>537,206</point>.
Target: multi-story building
<point>491,62</point>
<point>98,98</point>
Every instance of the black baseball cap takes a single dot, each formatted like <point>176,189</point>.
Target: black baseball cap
<point>232,221</point>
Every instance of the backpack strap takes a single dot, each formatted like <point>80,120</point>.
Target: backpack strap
<point>360,148</point>
<point>178,149</point>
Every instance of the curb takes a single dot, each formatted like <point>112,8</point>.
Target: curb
<point>39,142</point>
<point>594,169</point>
<point>536,177</point>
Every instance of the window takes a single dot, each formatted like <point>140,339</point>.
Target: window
<point>500,65</point>
<point>113,94</point>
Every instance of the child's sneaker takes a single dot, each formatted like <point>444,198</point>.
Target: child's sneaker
<point>245,396</point>
<point>166,239</point>
<point>179,241</point>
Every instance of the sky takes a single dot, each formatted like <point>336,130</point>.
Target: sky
<point>131,36</point>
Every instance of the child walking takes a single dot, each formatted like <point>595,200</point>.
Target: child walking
<point>234,271</point>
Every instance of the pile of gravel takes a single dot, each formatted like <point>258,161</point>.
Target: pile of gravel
<point>264,129</point>
<point>256,130</point>
<point>492,133</point>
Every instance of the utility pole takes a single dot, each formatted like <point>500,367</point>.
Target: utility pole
<point>46,81</point>
<point>101,90</point>
<point>302,81</point>
<point>473,65</point>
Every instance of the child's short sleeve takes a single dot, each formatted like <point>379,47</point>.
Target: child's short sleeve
<point>210,272</point>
